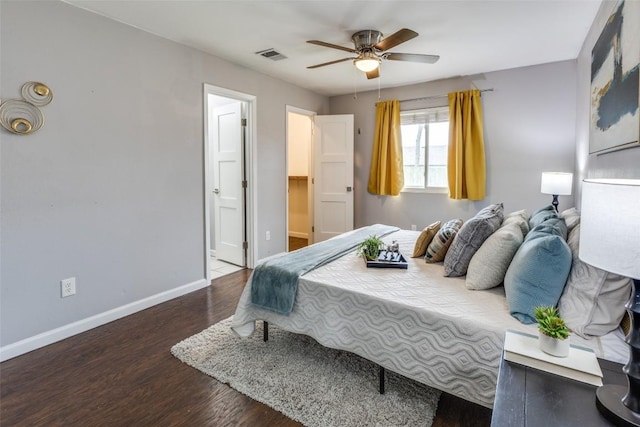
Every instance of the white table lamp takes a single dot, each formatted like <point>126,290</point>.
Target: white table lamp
<point>610,240</point>
<point>557,184</point>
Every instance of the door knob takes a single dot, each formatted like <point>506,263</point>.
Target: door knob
<point>348,189</point>
<point>215,190</point>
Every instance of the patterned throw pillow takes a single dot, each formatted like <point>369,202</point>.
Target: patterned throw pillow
<point>438,247</point>
<point>471,236</point>
<point>425,238</point>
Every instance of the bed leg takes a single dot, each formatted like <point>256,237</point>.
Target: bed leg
<point>381,380</point>
<point>265,330</point>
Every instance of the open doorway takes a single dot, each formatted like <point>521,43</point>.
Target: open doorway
<point>228,189</point>
<point>300,178</point>
<point>320,168</point>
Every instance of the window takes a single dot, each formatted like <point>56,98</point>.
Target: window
<point>425,140</point>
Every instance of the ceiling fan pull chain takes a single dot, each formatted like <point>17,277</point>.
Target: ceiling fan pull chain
<point>354,75</point>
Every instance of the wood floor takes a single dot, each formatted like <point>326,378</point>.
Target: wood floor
<point>297,243</point>
<point>122,374</point>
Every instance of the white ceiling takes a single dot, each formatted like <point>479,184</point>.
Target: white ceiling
<point>471,36</point>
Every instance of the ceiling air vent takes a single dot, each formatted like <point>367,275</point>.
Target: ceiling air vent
<point>271,54</point>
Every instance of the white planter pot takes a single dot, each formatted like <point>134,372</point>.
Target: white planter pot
<point>553,346</point>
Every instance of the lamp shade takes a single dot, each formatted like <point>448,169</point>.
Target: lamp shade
<point>367,61</point>
<point>366,65</point>
<point>610,225</point>
<point>558,183</point>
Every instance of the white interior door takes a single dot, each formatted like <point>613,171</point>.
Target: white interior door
<point>228,176</point>
<point>333,175</point>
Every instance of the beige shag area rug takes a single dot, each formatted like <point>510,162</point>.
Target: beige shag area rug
<point>307,382</point>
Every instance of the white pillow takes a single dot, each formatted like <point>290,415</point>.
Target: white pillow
<point>571,218</point>
<point>518,217</point>
<point>593,300</point>
<point>490,263</point>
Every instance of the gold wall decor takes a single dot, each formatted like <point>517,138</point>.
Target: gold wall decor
<point>23,116</point>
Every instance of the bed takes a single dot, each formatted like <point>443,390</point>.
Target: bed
<point>414,322</point>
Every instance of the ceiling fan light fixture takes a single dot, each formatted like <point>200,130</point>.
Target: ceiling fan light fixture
<point>370,49</point>
<point>366,62</point>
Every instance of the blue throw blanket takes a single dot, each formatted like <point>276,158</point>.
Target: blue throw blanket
<point>275,282</point>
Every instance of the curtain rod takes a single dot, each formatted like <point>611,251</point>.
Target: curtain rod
<point>437,96</point>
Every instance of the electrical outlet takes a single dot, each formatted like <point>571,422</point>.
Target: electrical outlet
<point>68,287</point>
<point>414,227</point>
<point>267,235</point>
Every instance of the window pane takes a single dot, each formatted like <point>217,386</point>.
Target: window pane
<point>425,167</point>
<point>413,154</point>
<point>438,148</point>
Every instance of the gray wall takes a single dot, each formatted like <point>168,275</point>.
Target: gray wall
<point>110,190</point>
<point>619,164</point>
<point>529,126</point>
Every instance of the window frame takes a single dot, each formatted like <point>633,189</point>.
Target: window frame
<point>424,112</point>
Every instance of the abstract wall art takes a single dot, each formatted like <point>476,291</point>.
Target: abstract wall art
<point>615,81</point>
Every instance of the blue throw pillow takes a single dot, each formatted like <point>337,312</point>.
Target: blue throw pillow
<point>538,272</point>
<point>555,225</point>
<point>541,215</point>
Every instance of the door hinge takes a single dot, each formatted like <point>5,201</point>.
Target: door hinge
<point>245,245</point>
<point>313,180</point>
<point>244,184</point>
<point>243,122</point>
<point>313,229</point>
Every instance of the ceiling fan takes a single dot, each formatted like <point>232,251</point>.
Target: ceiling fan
<point>371,49</point>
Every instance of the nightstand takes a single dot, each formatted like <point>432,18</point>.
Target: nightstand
<point>528,397</point>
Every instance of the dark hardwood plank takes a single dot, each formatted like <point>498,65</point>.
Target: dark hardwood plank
<point>123,374</point>
<point>297,243</point>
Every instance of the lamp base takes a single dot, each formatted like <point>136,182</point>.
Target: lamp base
<point>609,403</point>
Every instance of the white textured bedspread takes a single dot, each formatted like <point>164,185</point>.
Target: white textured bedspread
<point>414,322</point>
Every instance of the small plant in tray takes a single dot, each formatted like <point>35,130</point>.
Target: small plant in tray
<point>370,247</point>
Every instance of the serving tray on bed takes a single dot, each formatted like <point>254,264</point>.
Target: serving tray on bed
<point>397,261</point>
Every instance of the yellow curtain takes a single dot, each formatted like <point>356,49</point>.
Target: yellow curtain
<point>386,175</point>
<point>466,161</point>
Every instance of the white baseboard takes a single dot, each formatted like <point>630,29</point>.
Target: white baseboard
<point>298,234</point>
<point>49,337</point>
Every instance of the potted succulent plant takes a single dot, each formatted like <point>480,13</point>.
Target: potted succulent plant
<point>370,247</point>
<point>553,332</point>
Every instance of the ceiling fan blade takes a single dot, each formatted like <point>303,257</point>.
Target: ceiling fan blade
<point>396,38</point>
<point>333,46</point>
<point>329,63</point>
<point>412,57</point>
<point>374,74</point>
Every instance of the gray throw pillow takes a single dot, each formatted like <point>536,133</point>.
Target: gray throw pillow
<point>471,236</point>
